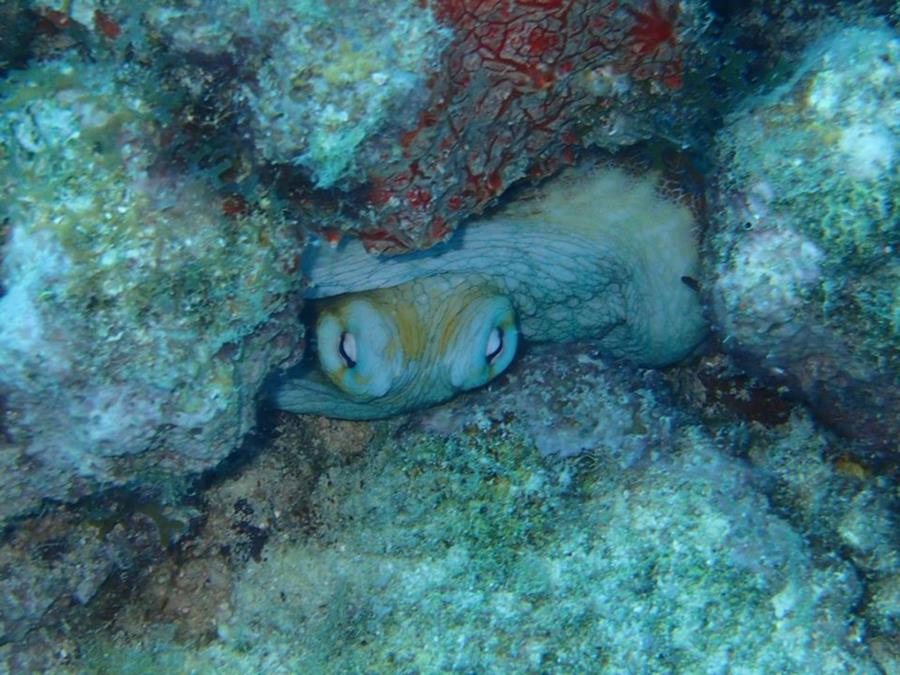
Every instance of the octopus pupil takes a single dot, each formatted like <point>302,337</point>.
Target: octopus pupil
<point>342,350</point>
<point>494,353</point>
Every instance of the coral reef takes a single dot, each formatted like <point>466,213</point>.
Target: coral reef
<point>344,73</point>
<point>157,162</point>
<point>57,561</point>
<point>397,120</point>
<point>464,540</point>
<point>802,262</point>
<point>520,88</point>
<point>123,563</point>
<point>140,314</point>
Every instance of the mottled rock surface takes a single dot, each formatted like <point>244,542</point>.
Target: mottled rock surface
<point>802,263</point>
<point>139,314</point>
<point>567,517</point>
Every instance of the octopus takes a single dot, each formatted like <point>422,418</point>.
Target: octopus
<point>595,254</point>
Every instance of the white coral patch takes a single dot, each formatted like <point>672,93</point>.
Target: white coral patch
<point>868,150</point>
<point>769,274</point>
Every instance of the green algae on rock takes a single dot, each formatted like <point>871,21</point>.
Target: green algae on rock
<point>139,316</point>
<point>802,261</point>
<point>456,544</point>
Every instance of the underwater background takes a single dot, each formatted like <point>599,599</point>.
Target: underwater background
<point>449,336</point>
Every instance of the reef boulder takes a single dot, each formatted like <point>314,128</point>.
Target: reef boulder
<point>415,115</point>
<point>802,262</point>
<point>138,313</point>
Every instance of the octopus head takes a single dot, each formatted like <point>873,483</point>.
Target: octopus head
<point>391,350</point>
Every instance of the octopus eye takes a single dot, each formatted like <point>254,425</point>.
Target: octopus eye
<point>347,349</point>
<point>494,344</point>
